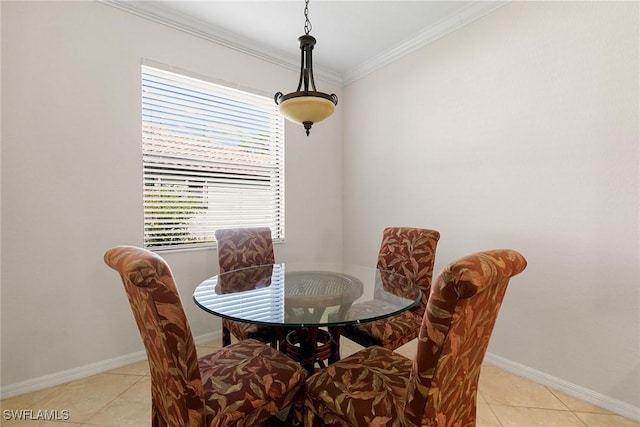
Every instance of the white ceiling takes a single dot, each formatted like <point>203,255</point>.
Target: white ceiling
<point>353,37</point>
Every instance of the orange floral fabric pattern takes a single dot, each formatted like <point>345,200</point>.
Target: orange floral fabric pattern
<point>439,388</point>
<point>240,385</point>
<point>247,382</point>
<point>242,248</point>
<point>364,389</point>
<point>411,253</point>
<point>454,337</point>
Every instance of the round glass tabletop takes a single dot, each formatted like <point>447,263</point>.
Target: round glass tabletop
<point>274,295</point>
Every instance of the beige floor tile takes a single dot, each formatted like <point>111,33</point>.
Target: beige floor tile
<point>485,417</point>
<point>348,347</point>
<point>29,400</point>
<point>32,410</point>
<point>605,420</point>
<point>211,346</point>
<point>83,398</point>
<point>201,350</point>
<point>515,416</point>
<point>503,388</point>
<point>578,405</point>
<point>408,350</point>
<point>139,368</point>
<point>208,347</point>
<point>131,409</point>
<point>34,402</point>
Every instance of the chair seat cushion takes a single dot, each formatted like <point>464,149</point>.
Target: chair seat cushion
<point>391,333</point>
<point>245,380</point>
<point>366,388</point>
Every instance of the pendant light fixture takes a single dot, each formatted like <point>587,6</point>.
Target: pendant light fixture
<point>306,105</point>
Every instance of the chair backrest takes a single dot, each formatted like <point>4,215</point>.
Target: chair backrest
<point>244,247</point>
<point>461,312</point>
<point>176,385</point>
<point>410,252</point>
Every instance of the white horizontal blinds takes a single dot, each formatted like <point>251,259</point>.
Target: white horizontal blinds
<point>257,305</point>
<point>213,157</point>
<point>265,304</point>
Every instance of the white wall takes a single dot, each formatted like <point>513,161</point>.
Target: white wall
<point>72,182</point>
<point>519,130</point>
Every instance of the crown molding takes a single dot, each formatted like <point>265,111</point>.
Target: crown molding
<point>156,12</point>
<point>463,17</point>
<point>163,15</point>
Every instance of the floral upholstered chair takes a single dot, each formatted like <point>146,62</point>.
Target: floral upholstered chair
<point>438,388</point>
<point>240,385</point>
<point>411,253</point>
<point>242,248</point>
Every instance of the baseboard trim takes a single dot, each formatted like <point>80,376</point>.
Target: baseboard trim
<point>615,406</point>
<point>63,377</point>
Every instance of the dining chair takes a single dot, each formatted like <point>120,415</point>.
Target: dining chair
<point>240,385</point>
<point>376,386</point>
<point>409,252</point>
<point>241,248</point>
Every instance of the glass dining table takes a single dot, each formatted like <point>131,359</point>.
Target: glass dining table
<point>307,305</point>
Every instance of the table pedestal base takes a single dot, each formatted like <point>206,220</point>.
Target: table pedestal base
<point>311,346</point>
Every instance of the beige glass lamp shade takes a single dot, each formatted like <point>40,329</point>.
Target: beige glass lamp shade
<point>302,109</point>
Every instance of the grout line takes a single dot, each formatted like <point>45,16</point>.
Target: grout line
<point>96,413</point>
<point>578,418</point>
<point>556,396</point>
<point>495,415</point>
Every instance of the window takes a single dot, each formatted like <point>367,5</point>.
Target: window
<point>213,157</point>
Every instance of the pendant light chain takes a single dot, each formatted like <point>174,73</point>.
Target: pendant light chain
<point>307,23</point>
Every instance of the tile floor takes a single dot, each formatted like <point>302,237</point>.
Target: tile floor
<point>120,398</point>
